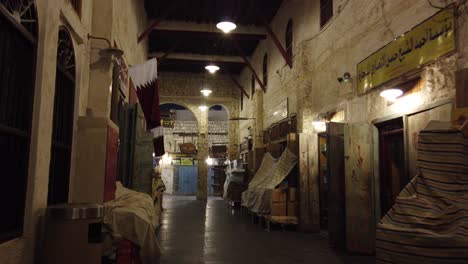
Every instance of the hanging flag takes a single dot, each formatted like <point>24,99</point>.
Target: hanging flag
<point>145,80</point>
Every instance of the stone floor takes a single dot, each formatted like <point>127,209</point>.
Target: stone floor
<point>208,232</point>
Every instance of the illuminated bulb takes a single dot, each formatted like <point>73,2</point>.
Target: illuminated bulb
<point>319,126</point>
<point>203,108</point>
<point>209,161</point>
<point>206,92</point>
<point>391,94</point>
<point>166,159</point>
<point>212,68</point>
<point>226,26</point>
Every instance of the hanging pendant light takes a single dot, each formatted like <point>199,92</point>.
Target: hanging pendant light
<point>206,92</point>
<point>212,68</point>
<point>226,26</point>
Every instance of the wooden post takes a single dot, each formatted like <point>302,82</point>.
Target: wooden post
<point>462,88</point>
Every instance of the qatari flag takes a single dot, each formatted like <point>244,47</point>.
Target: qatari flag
<point>145,79</point>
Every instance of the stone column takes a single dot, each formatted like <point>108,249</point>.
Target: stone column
<point>258,146</point>
<point>202,181</point>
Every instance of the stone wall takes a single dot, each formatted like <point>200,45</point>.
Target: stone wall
<point>357,29</point>
<point>172,137</point>
<point>184,89</point>
<point>92,94</point>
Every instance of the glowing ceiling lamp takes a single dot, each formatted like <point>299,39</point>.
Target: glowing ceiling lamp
<point>391,94</point>
<point>226,26</point>
<point>203,108</point>
<point>212,68</point>
<point>206,92</point>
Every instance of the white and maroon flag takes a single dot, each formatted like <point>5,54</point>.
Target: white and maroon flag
<point>145,79</point>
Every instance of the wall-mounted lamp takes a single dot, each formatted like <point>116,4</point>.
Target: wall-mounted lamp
<point>391,94</point>
<point>346,78</point>
<point>109,51</point>
<point>203,108</point>
<point>319,125</point>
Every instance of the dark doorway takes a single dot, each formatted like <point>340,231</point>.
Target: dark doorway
<point>62,131</point>
<point>323,181</point>
<point>336,185</point>
<point>393,177</point>
<point>17,79</point>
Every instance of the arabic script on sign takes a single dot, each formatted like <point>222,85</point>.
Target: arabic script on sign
<point>426,42</point>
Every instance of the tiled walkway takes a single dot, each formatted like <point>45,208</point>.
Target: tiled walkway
<point>208,232</point>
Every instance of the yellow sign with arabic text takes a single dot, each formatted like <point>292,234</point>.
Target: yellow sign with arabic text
<point>428,41</point>
<point>186,162</point>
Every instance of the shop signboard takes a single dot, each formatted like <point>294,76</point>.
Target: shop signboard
<point>425,43</point>
<point>186,161</point>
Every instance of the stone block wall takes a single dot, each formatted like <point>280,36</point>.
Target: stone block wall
<point>92,94</point>
<point>358,29</point>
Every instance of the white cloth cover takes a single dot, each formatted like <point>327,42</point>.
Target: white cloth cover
<point>257,197</point>
<point>144,74</point>
<point>132,215</point>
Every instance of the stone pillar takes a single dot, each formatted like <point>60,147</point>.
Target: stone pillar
<point>202,181</point>
<point>233,146</point>
<point>258,146</point>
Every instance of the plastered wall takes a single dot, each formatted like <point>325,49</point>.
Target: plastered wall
<point>358,29</point>
<point>53,14</point>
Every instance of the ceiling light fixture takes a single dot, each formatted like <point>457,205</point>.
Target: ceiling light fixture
<point>203,108</point>
<point>206,92</point>
<point>212,68</point>
<point>391,94</point>
<point>226,26</point>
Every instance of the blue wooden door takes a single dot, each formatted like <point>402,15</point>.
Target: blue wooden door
<point>187,180</point>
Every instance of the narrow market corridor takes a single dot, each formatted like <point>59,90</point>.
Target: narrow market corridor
<point>195,232</point>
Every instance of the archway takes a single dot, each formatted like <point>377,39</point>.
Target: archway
<point>63,118</point>
<point>179,166</point>
<point>218,140</point>
<point>18,38</point>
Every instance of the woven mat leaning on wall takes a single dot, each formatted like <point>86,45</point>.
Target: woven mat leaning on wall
<point>429,221</point>
<point>257,198</point>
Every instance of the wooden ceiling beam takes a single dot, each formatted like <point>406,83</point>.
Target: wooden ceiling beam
<point>166,54</point>
<point>238,85</point>
<point>247,62</point>
<point>273,37</point>
<point>157,21</point>
<point>205,27</point>
<point>196,57</point>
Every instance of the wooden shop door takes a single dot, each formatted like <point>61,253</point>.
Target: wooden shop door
<point>393,177</point>
<point>360,187</point>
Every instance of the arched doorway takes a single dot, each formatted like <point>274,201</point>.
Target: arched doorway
<point>18,38</point>
<point>179,166</point>
<point>218,141</point>
<point>62,130</point>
